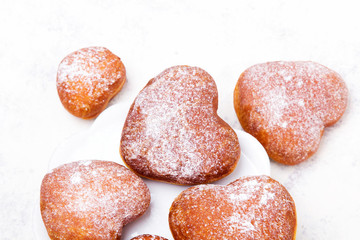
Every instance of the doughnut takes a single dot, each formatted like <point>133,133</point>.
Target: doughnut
<point>287,105</point>
<point>172,132</point>
<point>87,79</point>
<point>148,237</point>
<point>256,207</point>
<point>91,200</point>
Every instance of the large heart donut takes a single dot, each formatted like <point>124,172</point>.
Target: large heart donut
<point>256,207</point>
<point>173,133</point>
<point>91,200</point>
<point>287,105</point>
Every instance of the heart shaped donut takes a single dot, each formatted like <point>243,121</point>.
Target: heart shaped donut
<point>87,79</point>
<point>172,132</point>
<point>91,200</point>
<point>287,105</point>
<point>148,237</point>
<point>256,207</point>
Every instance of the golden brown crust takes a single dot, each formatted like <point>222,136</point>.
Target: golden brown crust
<point>91,200</point>
<point>148,237</point>
<point>287,105</point>
<point>172,132</point>
<point>255,207</point>
<point>87,79</point>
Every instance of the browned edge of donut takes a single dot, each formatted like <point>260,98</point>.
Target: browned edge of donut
<point>106,103</point>
<point>148,237</point>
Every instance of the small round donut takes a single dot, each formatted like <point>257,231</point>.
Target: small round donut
<point>256,207</point>
<point>91,200</point>
<point>287,105</point>
<point>148,237</point>
<point>87,79</point>
<point>173,133</point>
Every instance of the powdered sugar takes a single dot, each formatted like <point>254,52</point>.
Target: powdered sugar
<point>291,102</point>
<point>75,178</point>
<point>172,130</point>
<point>96,207</point>
<point>249,208</point>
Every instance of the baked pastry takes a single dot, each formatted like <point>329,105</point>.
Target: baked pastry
<point>91,200</point>
<point>256,207</point>
<point>148,237</point>
<point>87,79</point>
<point>172,132</point>
<point>287,105</point>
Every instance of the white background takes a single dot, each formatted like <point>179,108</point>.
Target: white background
<point>222,37</point>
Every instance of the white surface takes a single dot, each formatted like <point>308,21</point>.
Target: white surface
<point>222,37</point>
<point>102,141</point>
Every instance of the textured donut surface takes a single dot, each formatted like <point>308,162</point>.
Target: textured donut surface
<point>172,132</point>
<point>148,237</point>
<point>256,207</point>
<point>87,79</point>
<point>287,105</point>
<point>91,200</point>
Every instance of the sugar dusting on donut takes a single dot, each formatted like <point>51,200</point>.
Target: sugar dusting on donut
<point>292,101</point>
<point>263,204</point>
<point>173,126</point>
<point>89,77</point>
<point>249,208</point>
<point>91,198</point>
